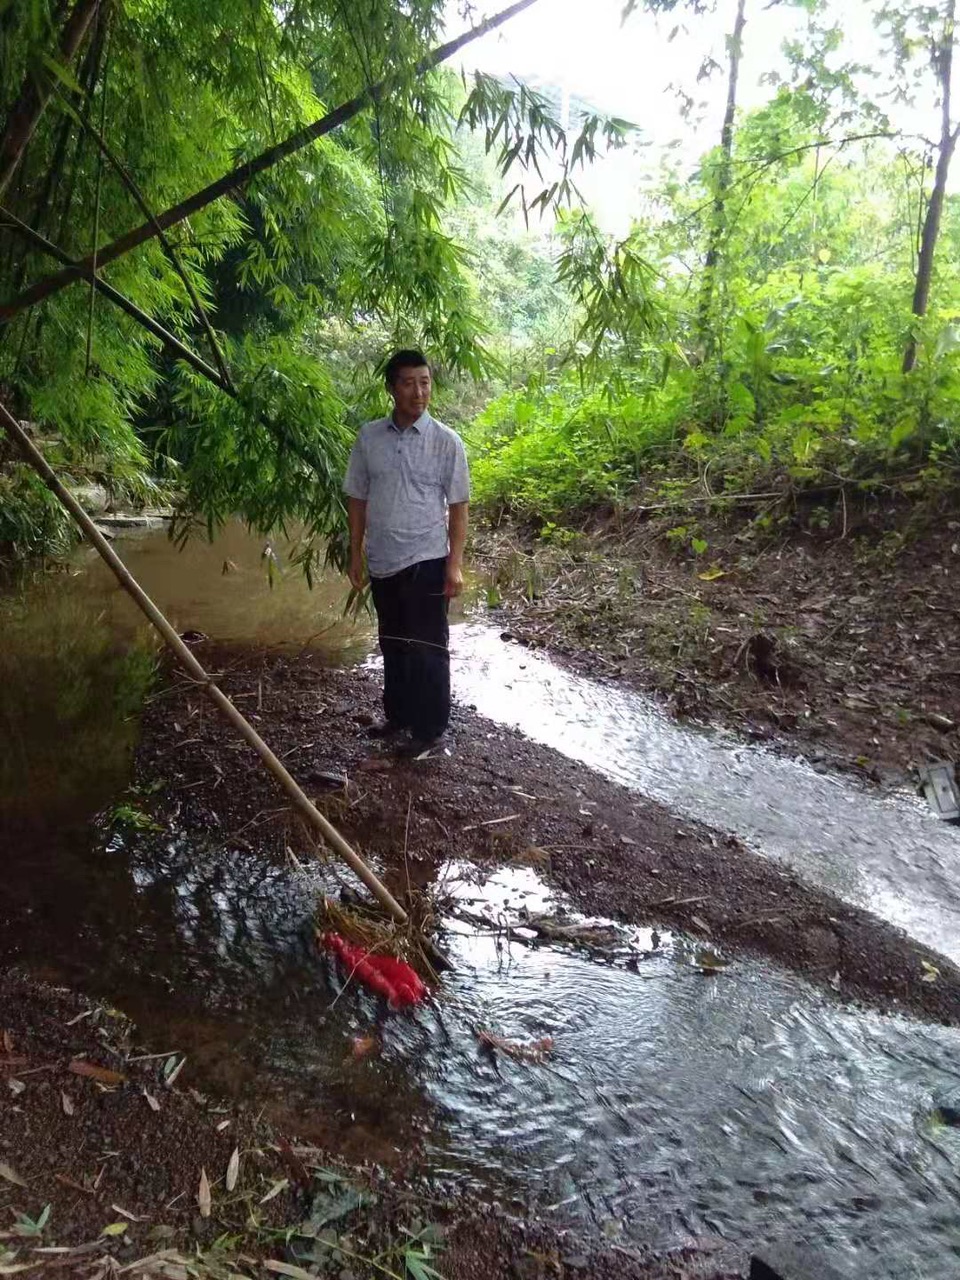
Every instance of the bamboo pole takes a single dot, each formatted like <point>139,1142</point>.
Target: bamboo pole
<point>301,802</point>
<point>240,176</point>
<point>117,298</point>
<point>25,113</point>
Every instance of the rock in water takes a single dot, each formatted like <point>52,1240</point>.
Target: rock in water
<point>790,1262</point>
<point>948,1106</point>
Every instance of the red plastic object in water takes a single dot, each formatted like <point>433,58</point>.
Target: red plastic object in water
<point>385,975</point>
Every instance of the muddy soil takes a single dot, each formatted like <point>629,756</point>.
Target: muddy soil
<point>91,1127</point>
<point>834,632</point>
<point>494,797</point>
<point>102,1153</point>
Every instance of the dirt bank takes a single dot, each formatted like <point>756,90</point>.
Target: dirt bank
<point>833,631</point>
<point>495,798</point>
<point>105,1136</point>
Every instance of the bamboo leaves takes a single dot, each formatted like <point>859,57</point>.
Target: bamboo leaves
<point>346,228</point>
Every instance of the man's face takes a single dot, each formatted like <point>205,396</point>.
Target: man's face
<point>411,392</point>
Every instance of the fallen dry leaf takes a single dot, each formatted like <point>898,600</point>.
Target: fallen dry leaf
<point>275,1190</point>
<point>222,1125</point>
<point>125,1213</point>
<point>287,1269</point>
<point>534,1051</point>
<point>103,1075</point>
<point>233,1170</point>
<point>70,1182</point>
<point>67,1103</point>
<point>7,1042</point>
<point>175,1072</point>
<point>204,1199</point>
<point>114,1229</point>
<point>8,1173</point>
<point>15,1086</point>
<point>491,822</point>
<point>360,1046</point>
<point>293,1162</point>
<point>152,1103</point>
<point>375,764</point>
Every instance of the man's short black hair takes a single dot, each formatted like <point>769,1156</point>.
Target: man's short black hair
<point>406,359</point>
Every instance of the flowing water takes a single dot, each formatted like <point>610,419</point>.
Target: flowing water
<point>885,852</point>
<point>744,1104</point>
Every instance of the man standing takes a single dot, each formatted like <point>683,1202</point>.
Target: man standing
<point>407,473</point>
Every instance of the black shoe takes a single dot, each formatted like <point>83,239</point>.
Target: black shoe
<point>385,729</point>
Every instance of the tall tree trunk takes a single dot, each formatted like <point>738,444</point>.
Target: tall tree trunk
<point>33,96</point>
<point>723,181</point>
<point>943,61</point>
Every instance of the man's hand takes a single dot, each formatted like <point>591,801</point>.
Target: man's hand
<point>357,519</point>
<point>454,582</point>
<point>357,573</point>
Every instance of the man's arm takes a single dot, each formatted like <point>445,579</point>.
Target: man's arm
<point>459,518</point>
<point>357,519</point>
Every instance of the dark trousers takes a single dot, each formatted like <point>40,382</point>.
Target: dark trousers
<point>414,639</point>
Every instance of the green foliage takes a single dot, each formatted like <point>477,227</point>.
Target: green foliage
<point>128,815</point>
<point>800,385</point>
<point>447,216</point>
<point>351,233</point>
<point>551,450</point>
<point>32,1228</point>
<point>31,519</point>
<point>276,452</point>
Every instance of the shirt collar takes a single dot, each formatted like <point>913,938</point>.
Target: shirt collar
<point>417,426</point>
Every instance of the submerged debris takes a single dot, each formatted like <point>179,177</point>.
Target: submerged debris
<point>387,976</point>
<point>582,932</point>
<point>535,1051</point>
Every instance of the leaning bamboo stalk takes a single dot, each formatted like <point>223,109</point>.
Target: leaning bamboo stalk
<point>117,298</point>
<point>301,802</point>
<point>239,177</point>
<point>24,115</point>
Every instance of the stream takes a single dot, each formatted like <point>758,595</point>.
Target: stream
<point>745,1104</point>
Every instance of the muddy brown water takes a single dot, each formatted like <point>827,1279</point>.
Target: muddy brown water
<point>743,1104</point>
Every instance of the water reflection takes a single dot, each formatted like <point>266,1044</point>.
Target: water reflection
<point>70,695</point>
<point>224,589</point>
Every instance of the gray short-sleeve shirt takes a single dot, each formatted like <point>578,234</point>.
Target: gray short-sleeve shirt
<point>407,478</point>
